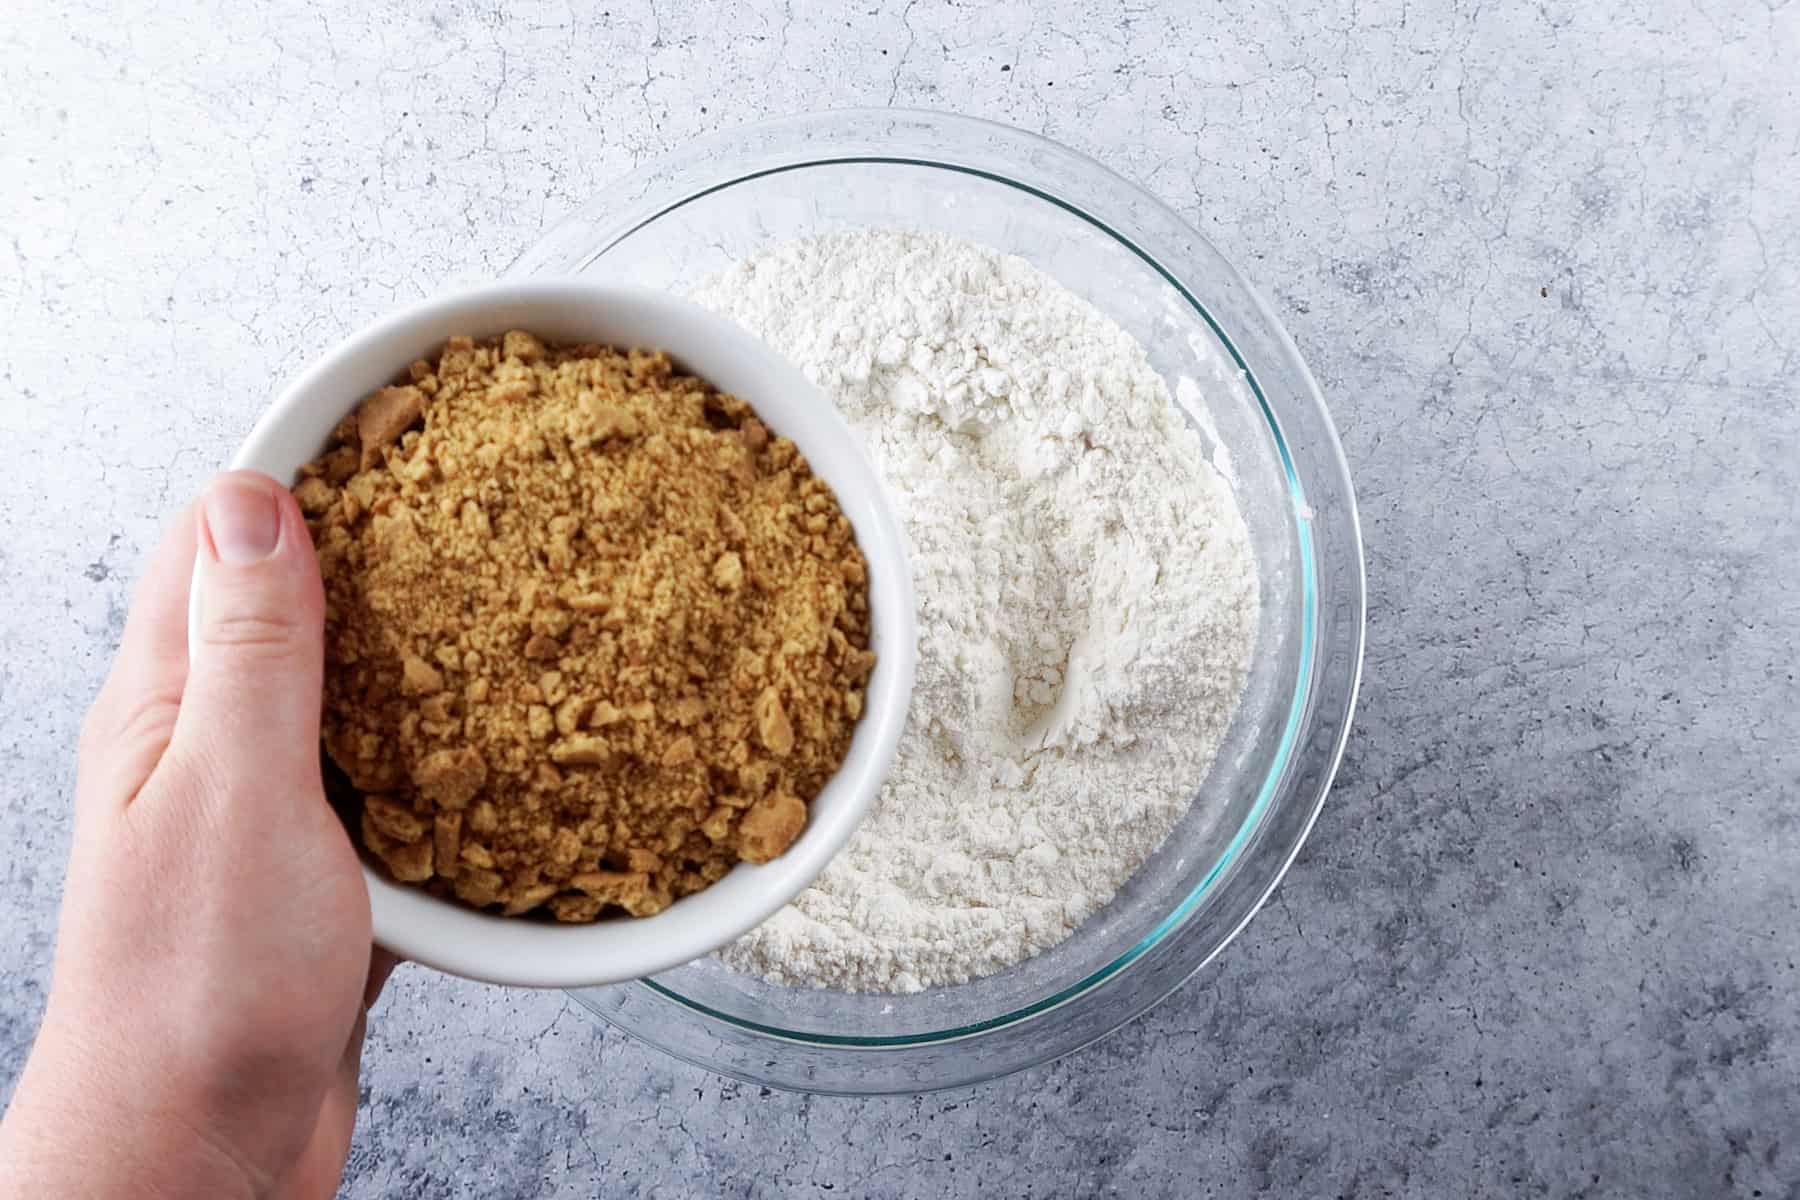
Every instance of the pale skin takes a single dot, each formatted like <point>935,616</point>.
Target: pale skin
<point>213,963</point>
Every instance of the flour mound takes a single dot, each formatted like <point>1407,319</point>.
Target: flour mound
<point>1087,603</point>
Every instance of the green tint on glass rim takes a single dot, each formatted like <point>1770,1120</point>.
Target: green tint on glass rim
<point>720,199</point>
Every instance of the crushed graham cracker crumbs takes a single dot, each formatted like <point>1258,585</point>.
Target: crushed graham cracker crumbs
<point>593,633</point>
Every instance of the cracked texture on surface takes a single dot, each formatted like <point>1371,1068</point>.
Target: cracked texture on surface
<point>1544,264</point>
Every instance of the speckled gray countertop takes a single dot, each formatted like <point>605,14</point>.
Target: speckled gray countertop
<point>1543,260</point>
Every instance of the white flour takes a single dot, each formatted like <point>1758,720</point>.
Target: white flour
<point>1086,603</point>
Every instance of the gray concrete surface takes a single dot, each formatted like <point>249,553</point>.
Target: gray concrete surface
<point>1543,259</point>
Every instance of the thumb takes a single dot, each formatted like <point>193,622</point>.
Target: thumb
<point>250,710</point>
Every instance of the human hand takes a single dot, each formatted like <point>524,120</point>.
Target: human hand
<point>213,964</point>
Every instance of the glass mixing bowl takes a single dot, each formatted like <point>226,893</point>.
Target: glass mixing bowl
<point>1264,422</point>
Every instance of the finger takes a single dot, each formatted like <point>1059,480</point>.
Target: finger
<point>129,725</point>
<point>321,1165</point>
<point>381,965</point>
<point>249,717</point>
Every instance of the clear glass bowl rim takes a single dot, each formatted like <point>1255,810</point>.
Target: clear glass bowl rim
<point>720,161</point>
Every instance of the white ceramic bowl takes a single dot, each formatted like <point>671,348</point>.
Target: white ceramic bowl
<point>528,953</point>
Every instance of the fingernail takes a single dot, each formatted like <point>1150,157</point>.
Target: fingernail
<point>243,519</point>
